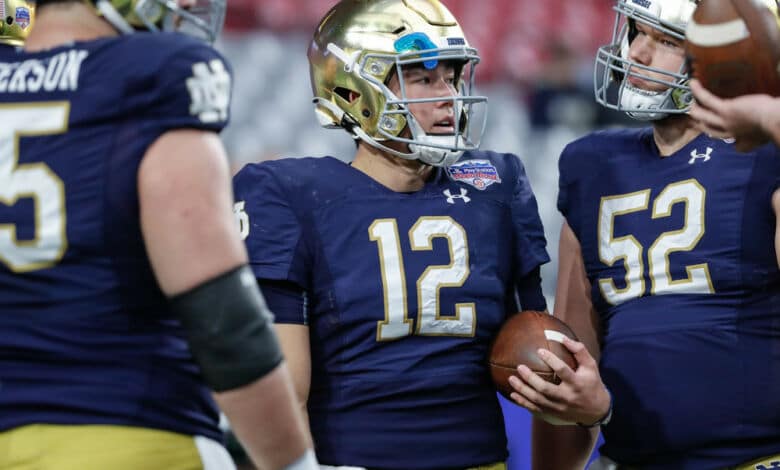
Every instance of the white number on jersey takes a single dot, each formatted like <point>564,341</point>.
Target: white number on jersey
<point>242,218</point>
<point>628,250</point>
<point>430,322</point>
<point>32,180</point>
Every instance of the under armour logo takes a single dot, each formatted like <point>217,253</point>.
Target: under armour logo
<point>695,155</point>
<point>451,197</point>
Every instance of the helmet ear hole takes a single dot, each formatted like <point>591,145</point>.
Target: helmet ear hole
<point>9,20</point>
<point>350,96</point>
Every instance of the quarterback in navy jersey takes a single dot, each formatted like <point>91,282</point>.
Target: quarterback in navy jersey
<point>111,176</point>
<point>669,273</point>
<point>389,276</point>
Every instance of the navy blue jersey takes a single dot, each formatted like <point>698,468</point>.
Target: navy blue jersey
<point>8,52</point>
<point>86,336</point>
<point>405,292</point>
<point>680,255</point>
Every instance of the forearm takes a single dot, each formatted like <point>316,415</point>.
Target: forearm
<point>561,447</point>
<point>769,119</point>
<point>288,303</point>
<point>270,429</point>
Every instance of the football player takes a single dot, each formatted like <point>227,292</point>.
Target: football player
<point>668,273</point>
<point>389,275</point>
<point>124,290</point>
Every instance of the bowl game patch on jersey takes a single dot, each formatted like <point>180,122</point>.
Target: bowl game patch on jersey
<point>477,173</point>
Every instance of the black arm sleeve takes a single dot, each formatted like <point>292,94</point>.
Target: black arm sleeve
<point>229,328</point>
<point>529,291</point>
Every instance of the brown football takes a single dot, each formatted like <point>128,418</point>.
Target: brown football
<point>733,47</point>
<point>517,342</point>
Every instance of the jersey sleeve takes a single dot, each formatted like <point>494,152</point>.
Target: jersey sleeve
<point>571,168</point>
<point>531,243</point>
<point>564,182</point>
<point>190,89</point>
<point>270,227</point>
<point>776,166</point>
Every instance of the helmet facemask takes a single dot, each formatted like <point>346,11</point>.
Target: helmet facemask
<point>613,65</point>
<point>469,111</point>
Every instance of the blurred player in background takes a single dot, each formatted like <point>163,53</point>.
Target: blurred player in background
<point>668,273</point>
<point>18,17</point>
<point>390,275</point>
<point>124,291</point>
<point>752,120</point>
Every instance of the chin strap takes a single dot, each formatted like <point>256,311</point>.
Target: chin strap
<point>642,105</point>
<point>429,155</point>
<point>342,120</point>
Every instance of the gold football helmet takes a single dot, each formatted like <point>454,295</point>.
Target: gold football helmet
<point>357,48</point>
<point>199,18</point>
<point>17,17</point>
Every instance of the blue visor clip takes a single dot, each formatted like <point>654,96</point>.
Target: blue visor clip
<point>417,42</point>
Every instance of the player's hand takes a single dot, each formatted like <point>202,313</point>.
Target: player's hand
<point>738,118</point>
<point>581,397</point>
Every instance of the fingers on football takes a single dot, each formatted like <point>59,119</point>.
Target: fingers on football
<point>708,122</point>
<point>535,388</point>
<point>561,369</point>
<point>580,352</point>
<point>702,95</point>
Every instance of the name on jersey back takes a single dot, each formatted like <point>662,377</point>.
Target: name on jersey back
<point>59,72</point>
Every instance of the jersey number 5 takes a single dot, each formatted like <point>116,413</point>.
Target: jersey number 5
<point>429,320</point>
<point>626,248</point>
<point>32,180</point>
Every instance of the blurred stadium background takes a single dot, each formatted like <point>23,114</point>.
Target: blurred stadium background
<point>536,69</point>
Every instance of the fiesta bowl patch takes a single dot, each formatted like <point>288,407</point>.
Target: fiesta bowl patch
<point>478,173</point>
<point>22,17</point>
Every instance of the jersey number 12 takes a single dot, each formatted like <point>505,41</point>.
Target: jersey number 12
<point>397,323</point>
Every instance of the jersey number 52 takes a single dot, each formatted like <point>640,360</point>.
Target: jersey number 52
<point>628,249</point>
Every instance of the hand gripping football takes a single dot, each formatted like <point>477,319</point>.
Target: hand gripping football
<point>733,47</point>
<point>517,342</point>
